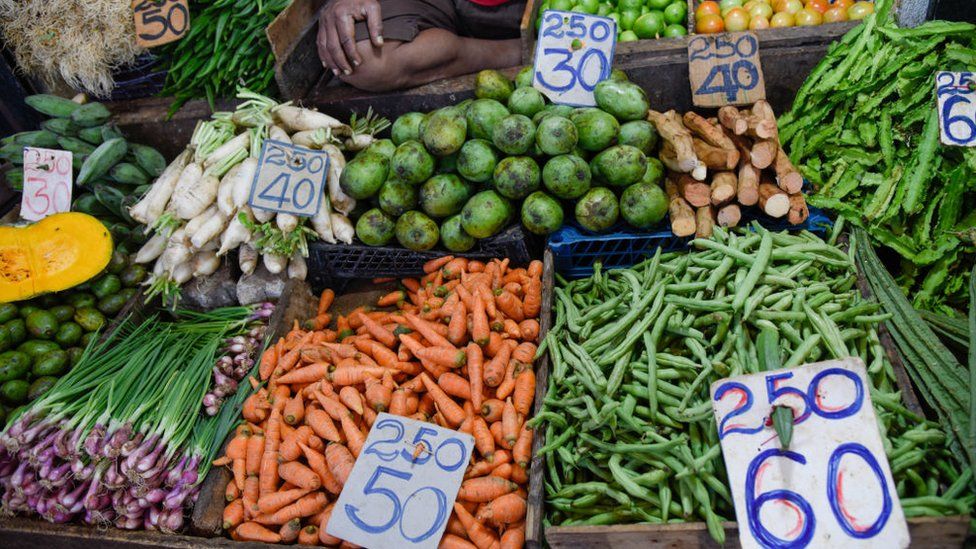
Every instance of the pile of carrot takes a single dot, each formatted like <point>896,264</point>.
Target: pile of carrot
<point>454,347</point>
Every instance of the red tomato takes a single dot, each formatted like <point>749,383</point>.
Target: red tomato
<point>758,22</point>
<point>834,15</point>
<point>860,10</point>
<point>789,6</point>
<point>808,17</point>
<point>818,5</point>
<point>710,23</point>
<point>782,19</point>
<point>842,4</point>
<point>708,7</point>
<point>736,20</point>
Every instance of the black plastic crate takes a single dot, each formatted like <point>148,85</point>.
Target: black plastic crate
<point>145,77</point>
<point>331,264</point>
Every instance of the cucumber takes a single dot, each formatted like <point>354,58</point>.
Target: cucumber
<point>39,138</point>
<point>62,313</point>
<point>77,161</point>
<point>90,114</point>
<point>101,160</point>
<point>92,135</point>
<point>40,386</point>
<point>89,318</point>
<point>149,159</point>
<point>52,105</point>
<point>75,145</point>
<point>117,262</point>
<point>129,174</point>
<point>61,126</point>
<point>14,365</point>
<point>87,203</point>
<point>110,305</point>
<point>8,312</point>
<point>14,152</point>
<point>14,391</point>
<point>81,300</point>
<point>68,334</point>
<point>132,275</point>
<point>36,348</point>
<point>16,330</point>
<point>53,363</point>
<point>110,132</point>
<point>15,178</point>
<point>26,310</point>
<point>106,286</point>
<point>110,197</point>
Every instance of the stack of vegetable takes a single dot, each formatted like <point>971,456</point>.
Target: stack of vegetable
<point>198,207</point>
<point>120,439</point>
<point>864,130</point>
<point>226,47</point>
<point>111,173</point>
<point>717,166</point>
<point>735,16</point>
<point>629,427</point>
<point>237,361</point>
<point>457,350</point>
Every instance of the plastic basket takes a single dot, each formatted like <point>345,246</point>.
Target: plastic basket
<point>143,78</point>
<point>331,264</point>
<point>575,250</point>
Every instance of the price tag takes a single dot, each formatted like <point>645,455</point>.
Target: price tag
<point>956,93</point>
<point>402,488</point>
<point>573,54</point>
<point>290,179</point>
<point>47,183</point>
<point>724,69</point>
<point>832,487</point>
<point>160,22</point>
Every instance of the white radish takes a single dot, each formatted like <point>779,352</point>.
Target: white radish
<point>194,192</point>
<point>211,246</point>
<point>359,141</point>
<point>322,220</point>
<point>176,251</point>
<point>286,222</point>
<point>263,216</point>
<point>341,202</point>
<point>193,225</point>
<point>342,228</point>
<point>278,133</point>
<point>313,139</point>
<point>297,119</point>
<point>147,210</point>
<point>247,258</point>
<point>152,249</point>
<point>297,268</point>
<point>275,263</point>
<point>235,234</point>
<point>225,198</point>
<point>243,179</point>
<point>182,273</point>
<point>205,263</point>
<point>209,230</point>
<point>240,142</point>
<point>159,269</point>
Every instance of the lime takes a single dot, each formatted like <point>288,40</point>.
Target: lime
<point>624,5</point>
<point>627,18</point>
<point>627,36</point>
<point>563,5</point>
<point>676,13</point>
<point>675,30</point>
<point>605,9</point>
<point>650,25</point>
<point>644,10</point>
<point>658,4</point>
<point>588,6</point>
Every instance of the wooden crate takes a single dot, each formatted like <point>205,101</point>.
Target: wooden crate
<point>929,532</point>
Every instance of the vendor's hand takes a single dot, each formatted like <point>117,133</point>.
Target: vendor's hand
<point>337,32</point>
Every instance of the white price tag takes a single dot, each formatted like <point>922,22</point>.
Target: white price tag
<point>956,93</point>
<point>573,54</point>
<point>724,69</point>
<point>402,488</point>
<point>833,486</point>
<point>47,183</point>
<point>290,179</point>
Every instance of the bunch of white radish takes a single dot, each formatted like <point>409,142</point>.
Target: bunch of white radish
<point>198,207</point>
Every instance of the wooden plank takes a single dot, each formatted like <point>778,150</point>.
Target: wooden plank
<point>147,121</point>
<point>293,41</point>
<point>21,533</point>
<point>527,30</point>
<point>536,499</point>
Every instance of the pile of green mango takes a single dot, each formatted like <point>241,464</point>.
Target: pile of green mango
<point>467,171</point>
<point>42,338</point>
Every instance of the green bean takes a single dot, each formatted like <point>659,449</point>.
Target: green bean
<point>755,271</point>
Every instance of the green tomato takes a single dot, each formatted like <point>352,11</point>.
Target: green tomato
<point>605,9</point>
<point>658,4</point>
<point>726,5</point>
<point>588,6</point>
<point>627,36</point>
<point>650,25</point>
<point>674,31</point>
<point>676,13</point>
<point>627,19</point>
<point>564,5</point>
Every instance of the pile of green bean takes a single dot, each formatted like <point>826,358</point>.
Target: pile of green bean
<point>630,433</point>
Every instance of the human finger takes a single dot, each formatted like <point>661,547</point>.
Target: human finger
<point>374,22</point>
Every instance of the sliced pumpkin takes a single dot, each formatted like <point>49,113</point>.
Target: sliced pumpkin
<point>54,254</point>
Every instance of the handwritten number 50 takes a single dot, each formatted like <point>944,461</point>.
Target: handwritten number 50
<point>370,489</point>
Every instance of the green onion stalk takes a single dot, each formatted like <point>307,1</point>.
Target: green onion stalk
<point>121,438</point>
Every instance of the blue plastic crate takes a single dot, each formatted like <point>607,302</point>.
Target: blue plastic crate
<point>575,249</point>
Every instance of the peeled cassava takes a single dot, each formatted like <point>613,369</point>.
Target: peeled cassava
<point>54,254</point>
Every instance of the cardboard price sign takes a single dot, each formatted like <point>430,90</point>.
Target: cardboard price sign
<point>956,93</point>
<point>574,53</point>
<point>290,179</point>
<point>160,22</point>
<point>47,183</point>
<point>402,488</point>
<point>832,487</point>
<point>724,69</point>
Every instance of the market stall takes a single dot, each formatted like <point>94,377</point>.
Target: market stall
<point>681,287</point>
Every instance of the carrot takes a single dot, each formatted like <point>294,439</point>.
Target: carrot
<point>233,514</point>
<point>316,462</point>
<point>279,397</point>
<point>450,541</point>
<point>434,264</point>
<point>308,374</point>
<point>322,425</point>
<point>495,343</point>
<point>455,385</point>
<point>483,440</point>
<point>429,330</point>
<point>511,329</point>
<point>354,437</point>
<point>457,328</point>
<point>325,537</point>
<point>318,322</point>
<point>309,535</point>
<point>510,423</point>
<point>410,342</point>
<point>349,396</point>
<point>532,302</point>
<point>495,369</point>
<point>505,388</point>
<point>505,509</point>
<point>496,431</point>
<point>502,471</point>
<point>522,450</point>
<point>294,410</point>
<point>514,537</point>
<point>325,301</point>
<point>392,298</point>
<point>378,395</point>
<point>488,298</point>
<point>485,489</point>
<point>479,322</point>
<point>255,408</point>
<point>268,475</point>
<point>316,443</point>
<point>269,503</point>
<point>252,531</point>
<point>491,410</point>
<point>340,462</point>
<point>377,330</point>
<point>465,296</point>
<point>380,353</point>
<point>249,497</point>
<point>447,407</point>
<point>289,449</point>
<point>353,376</point>
<point>398,402</point>
<point>290,359</point>
<point>510,305</point>
<point>478,533</point>
<point>487,465</point>
<point>524,352</point>
<point>448,357</point>
<point>268,360</point>
<point>524,391</point>
<point>454,268</point>
<point>306,506</point>
<point>255,447</point>
<point>299,475</point>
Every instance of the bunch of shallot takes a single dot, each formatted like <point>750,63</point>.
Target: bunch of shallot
<point>238,359</point>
